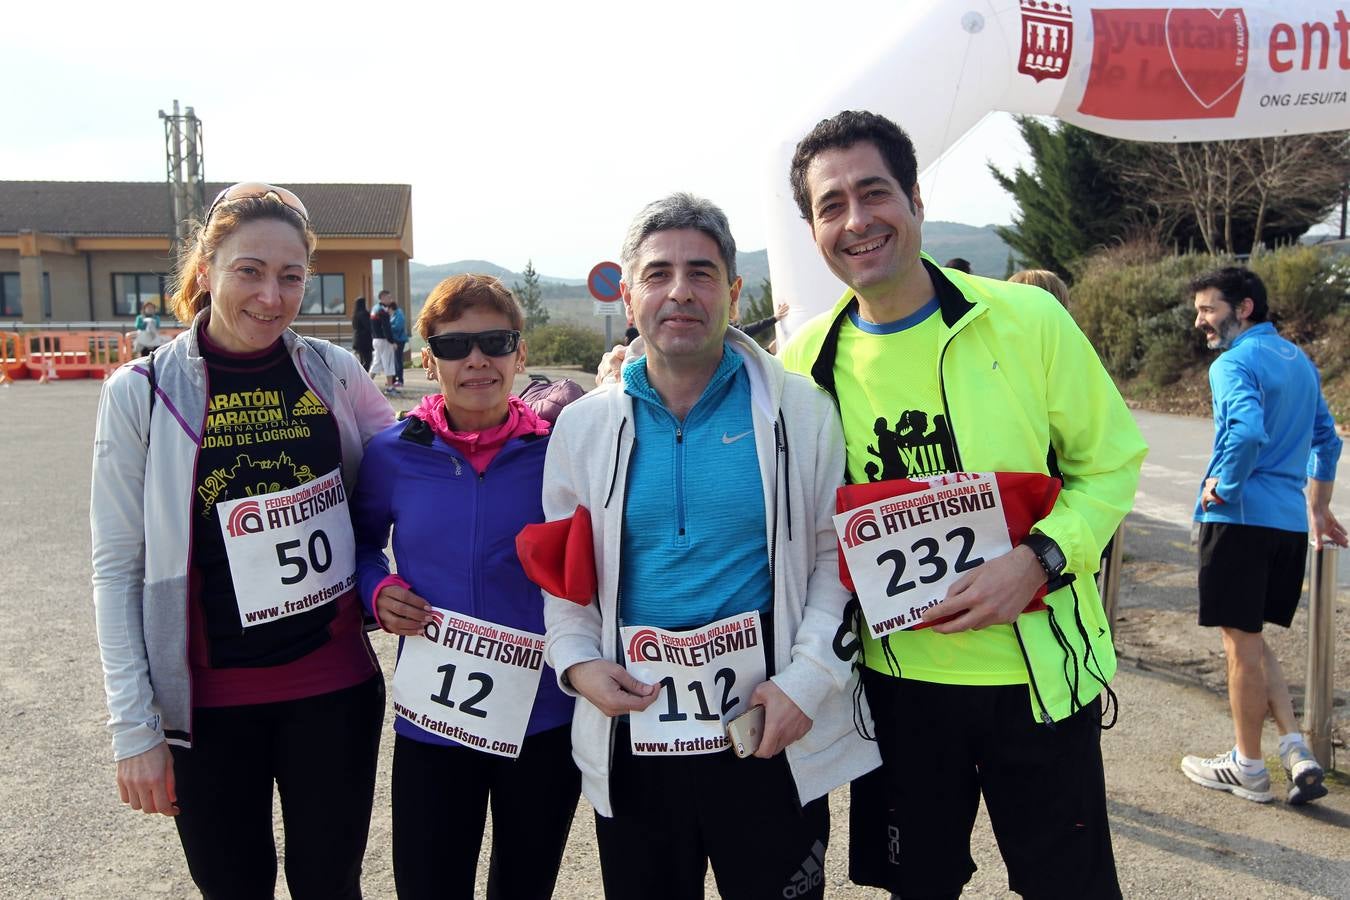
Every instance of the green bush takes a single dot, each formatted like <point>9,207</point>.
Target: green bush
<point>564,345</point>
<point>1126,308</point>
<point>1305,285</point>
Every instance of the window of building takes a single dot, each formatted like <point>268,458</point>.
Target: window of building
<point>132,290</point>
<point>11,295</point>
<point>325,295</point>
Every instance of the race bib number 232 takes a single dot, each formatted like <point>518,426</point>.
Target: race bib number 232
<point>905,551</point>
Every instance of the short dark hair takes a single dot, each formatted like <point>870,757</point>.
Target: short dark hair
<point>842,131</point>
<point>678,211</point>
<point>959,263</point>
<point>1235,284</point>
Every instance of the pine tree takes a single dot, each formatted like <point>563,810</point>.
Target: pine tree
<point>531,298</point>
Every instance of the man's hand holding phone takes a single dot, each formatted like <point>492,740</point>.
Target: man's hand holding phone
<point>784,722</point>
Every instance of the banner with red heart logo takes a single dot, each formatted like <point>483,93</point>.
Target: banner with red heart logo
<point>1151,64</point>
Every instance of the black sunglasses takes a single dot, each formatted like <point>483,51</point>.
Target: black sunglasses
<point>459,344</point>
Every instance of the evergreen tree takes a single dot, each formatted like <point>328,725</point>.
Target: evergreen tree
<point>1010,269</point>
<point>1071,202</point>
<point>531,298</point>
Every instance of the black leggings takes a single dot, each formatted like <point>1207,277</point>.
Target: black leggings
<point>321,753</point>
<point>441,796</point>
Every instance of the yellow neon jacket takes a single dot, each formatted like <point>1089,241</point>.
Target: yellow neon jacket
<point>1024,391</point>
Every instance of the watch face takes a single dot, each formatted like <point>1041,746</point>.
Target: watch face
<point>1048,552</point>
<point>1054,558</point>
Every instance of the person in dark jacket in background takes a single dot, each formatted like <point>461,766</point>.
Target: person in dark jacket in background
<point>475,721</point>
<point>361,344</point>
<point>383,340</point>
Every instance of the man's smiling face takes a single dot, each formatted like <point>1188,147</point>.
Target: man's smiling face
<point>865,226</point>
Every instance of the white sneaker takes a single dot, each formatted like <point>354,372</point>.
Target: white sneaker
<point>1305,775</point>
<point>1222,773</point>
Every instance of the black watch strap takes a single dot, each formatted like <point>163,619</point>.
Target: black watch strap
<point>1048,554</point>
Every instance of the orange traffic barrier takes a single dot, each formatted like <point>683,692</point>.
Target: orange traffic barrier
<point>12,357</point>
<point>74,354</point>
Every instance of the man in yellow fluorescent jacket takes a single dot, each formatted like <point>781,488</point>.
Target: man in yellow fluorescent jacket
<point>935,372</point>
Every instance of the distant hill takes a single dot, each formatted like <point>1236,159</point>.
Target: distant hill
<point>569,302</point>
<point>986,251</point>
<point>424,278</point>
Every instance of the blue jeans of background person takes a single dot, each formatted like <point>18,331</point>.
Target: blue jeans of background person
<point>398,362</point>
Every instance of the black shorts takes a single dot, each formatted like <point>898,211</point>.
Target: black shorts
<point>1250,574</point>
<point>941,747</point>
<point>672,815</point>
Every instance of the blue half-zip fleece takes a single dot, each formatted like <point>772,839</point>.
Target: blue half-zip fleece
<point>695,548</point>
<point>455,538</point>
<point>1272,431</point>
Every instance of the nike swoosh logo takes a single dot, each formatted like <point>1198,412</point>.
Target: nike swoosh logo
<point>728,439</point>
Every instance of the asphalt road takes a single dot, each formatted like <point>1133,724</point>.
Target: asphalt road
<point>64,834</point>
<point>1179,448</point>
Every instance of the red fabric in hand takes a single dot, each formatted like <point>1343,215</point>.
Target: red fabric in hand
<point>559,556</point>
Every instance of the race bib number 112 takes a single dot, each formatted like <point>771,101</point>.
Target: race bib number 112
<point>706,676</point>
<point>904,552</point>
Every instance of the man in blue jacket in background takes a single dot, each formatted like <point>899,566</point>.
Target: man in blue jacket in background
<point>1272,433</point>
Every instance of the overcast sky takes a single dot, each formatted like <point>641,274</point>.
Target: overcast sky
<point>527,130</point>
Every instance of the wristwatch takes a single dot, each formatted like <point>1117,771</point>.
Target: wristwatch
<point>1048,554</point>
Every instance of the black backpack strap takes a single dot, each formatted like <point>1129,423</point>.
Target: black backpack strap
<point>154,386</point>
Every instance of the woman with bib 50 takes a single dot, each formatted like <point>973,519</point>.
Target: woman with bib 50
<point>224,567</point>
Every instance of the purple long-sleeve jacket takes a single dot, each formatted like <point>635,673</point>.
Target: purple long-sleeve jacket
<point>455,538</point>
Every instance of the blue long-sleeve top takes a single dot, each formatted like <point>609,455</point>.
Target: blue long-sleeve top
<point>1272,431</point>
<point>695,548</point>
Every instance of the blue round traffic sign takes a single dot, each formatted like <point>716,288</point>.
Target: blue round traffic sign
<point>603,282</point>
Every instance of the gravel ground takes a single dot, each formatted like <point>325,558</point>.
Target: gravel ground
<point>64,834</point>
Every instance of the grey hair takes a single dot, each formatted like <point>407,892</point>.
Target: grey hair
<point>677,211</point>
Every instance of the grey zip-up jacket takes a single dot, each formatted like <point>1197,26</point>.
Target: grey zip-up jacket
<point>140,513</point>
<point>801,463</point>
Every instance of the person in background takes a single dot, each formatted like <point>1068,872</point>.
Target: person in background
<point>1273,435</point>
<point>398,330</point>
<point>754,329</point>
<point>234,653</point>
<point>361,344</point>
<point>383,347</point>
<point>959,264</point>
<point>457,480</point>
<point>1045,280</point>
<point>147,329</point>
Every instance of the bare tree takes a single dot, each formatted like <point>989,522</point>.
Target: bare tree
<point>1233,190</point>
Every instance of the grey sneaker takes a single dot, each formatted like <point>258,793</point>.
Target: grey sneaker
<point>1305,775</point>
<point>1222,773</point>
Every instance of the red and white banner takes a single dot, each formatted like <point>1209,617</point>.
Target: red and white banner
<point>1145,71</point>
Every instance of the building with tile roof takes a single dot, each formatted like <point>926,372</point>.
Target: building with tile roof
<point>96,251</point>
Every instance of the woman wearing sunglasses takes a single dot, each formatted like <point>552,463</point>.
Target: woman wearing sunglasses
<point>234,653</point>
<point>475,723</point>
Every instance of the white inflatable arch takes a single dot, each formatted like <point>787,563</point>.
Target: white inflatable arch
<point>1129,69</point>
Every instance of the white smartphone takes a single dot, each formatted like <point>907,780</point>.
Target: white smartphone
<point>745,731</point>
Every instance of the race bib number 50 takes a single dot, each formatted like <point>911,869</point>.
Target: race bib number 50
<point>904,552</point>
<point>706,676</point>
<point>291,550</point>
<point>470,680</point>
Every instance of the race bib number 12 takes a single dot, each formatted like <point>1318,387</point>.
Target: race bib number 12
<point>706,676</point>
<point>469,680</point>
<point>904,552</point>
